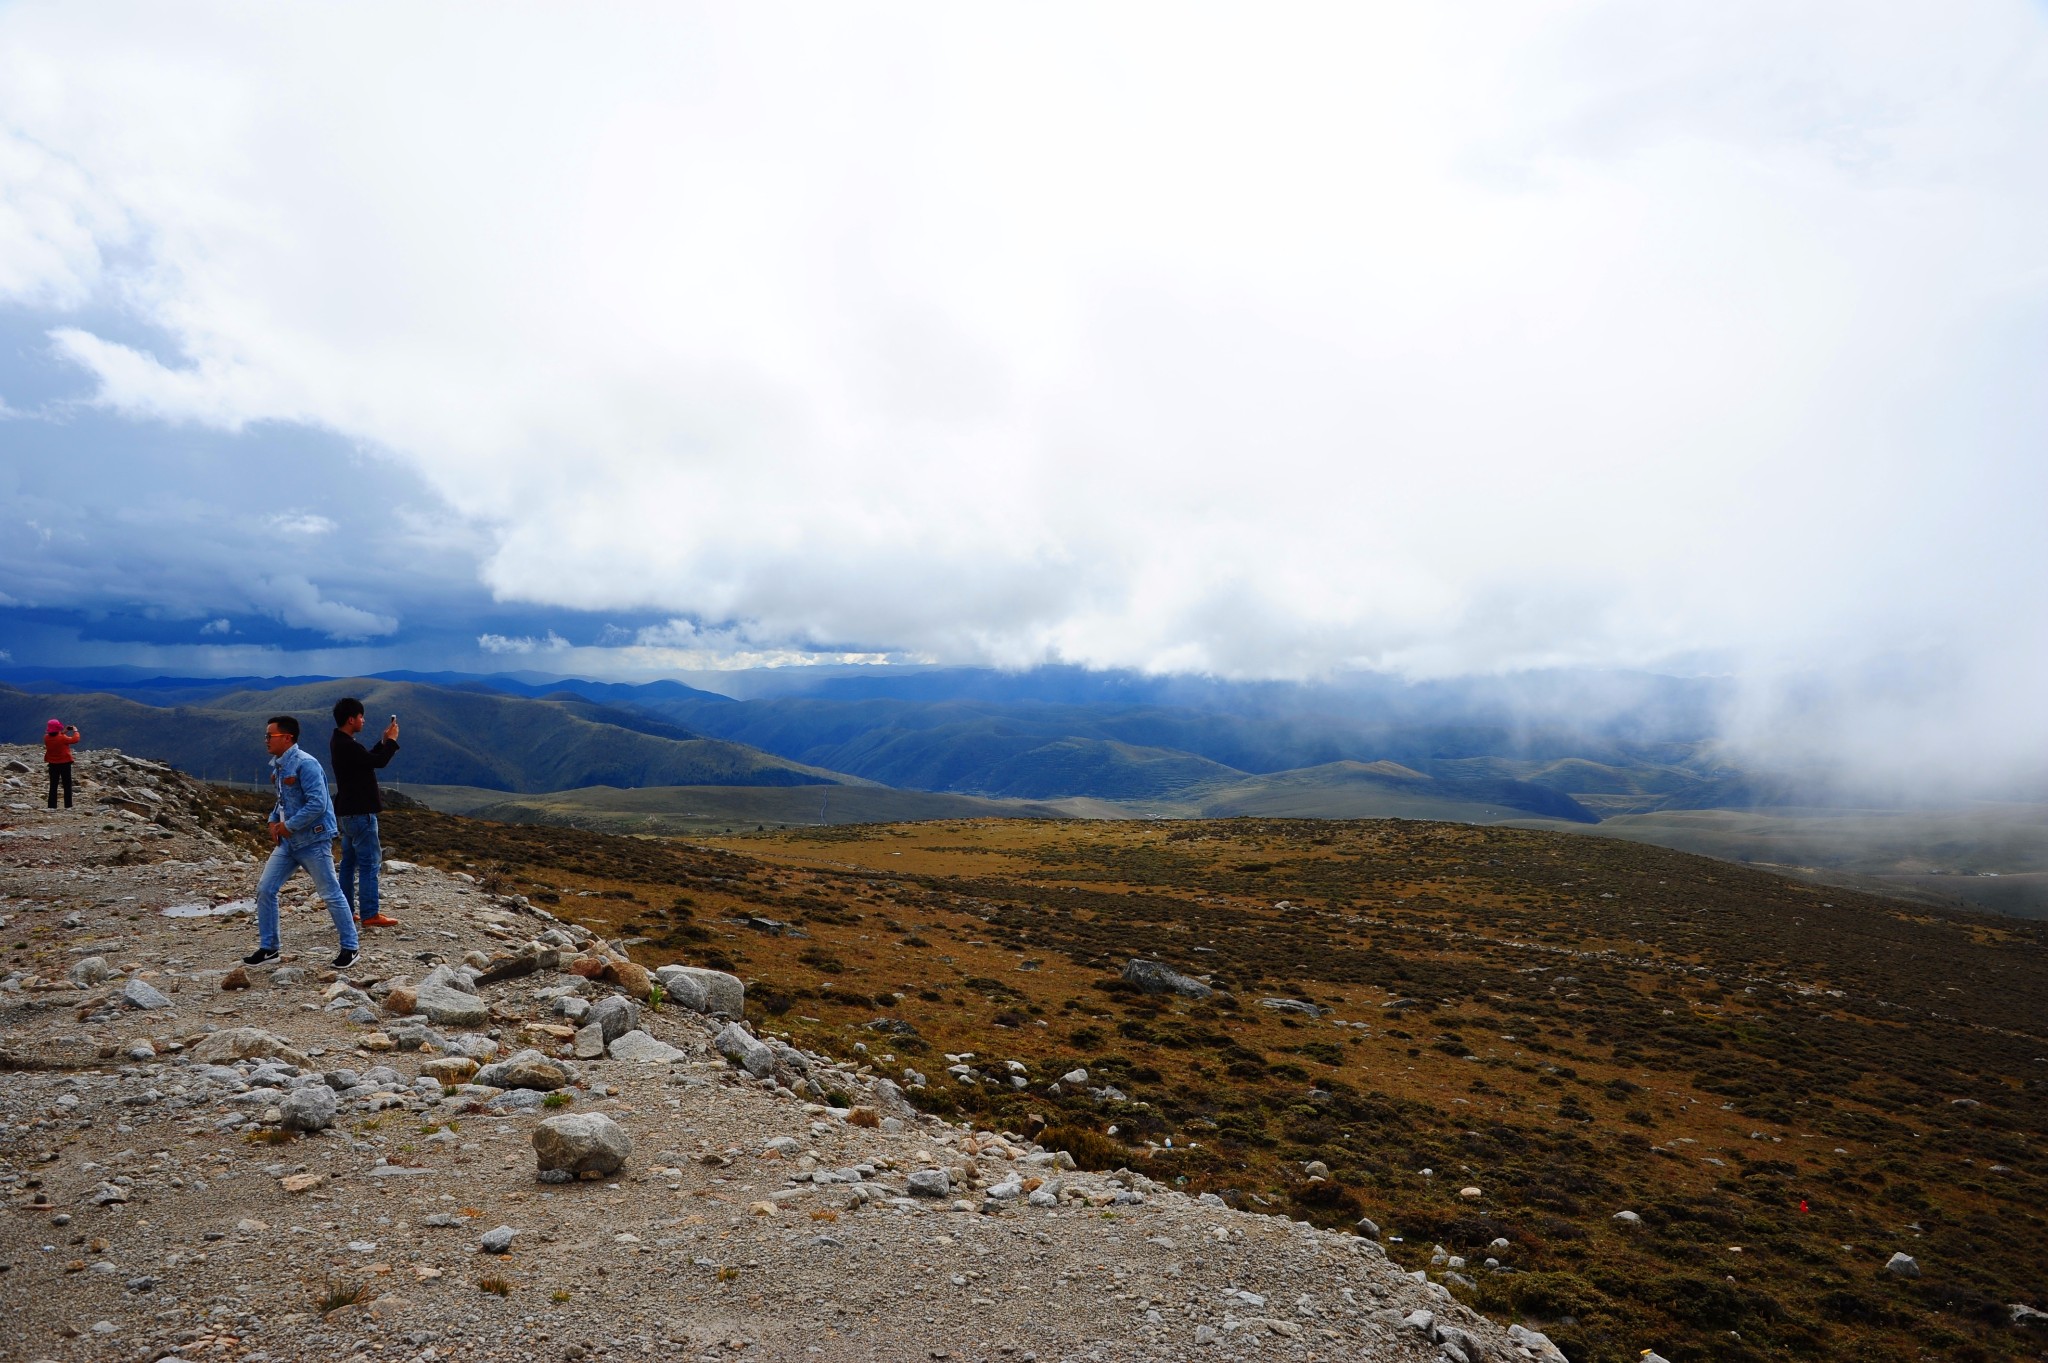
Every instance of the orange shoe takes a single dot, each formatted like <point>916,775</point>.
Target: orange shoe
<point>380,920</point>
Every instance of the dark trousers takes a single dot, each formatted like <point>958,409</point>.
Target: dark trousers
<point>60,775</point>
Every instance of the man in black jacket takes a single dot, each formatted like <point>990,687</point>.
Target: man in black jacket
<point>356,806</point>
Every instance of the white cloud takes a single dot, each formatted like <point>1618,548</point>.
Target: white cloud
<point>551,642</point>
<point>1424,338</point>
<point>302,523</point>
<point>298,603</point>
<point>221,626</point>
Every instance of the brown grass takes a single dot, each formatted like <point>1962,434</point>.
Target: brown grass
<point>1573,1025</point>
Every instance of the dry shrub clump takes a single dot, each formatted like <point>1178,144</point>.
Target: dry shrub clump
<point>1090,1149</point>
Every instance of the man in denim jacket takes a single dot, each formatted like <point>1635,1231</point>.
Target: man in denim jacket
<point>302,825</point>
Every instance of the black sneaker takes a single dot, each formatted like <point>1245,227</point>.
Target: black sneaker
<point>260,956</point>
<point>346,957</point>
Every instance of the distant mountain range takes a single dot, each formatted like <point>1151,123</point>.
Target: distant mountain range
<point>469,737</point>
<point>1564,746</point>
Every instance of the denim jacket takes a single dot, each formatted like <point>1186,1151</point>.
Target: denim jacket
<point>302,803</point>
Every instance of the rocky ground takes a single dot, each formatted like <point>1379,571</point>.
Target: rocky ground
<point>488,1141</point>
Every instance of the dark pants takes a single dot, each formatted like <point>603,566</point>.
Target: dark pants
<point>60,775</point>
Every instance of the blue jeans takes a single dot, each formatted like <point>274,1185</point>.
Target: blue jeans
<point>361,857</point>
<point>318,862</point>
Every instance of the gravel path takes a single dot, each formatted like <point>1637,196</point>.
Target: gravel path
<point>160,1206</point>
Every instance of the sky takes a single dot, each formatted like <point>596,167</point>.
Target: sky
<point>1255,342</point>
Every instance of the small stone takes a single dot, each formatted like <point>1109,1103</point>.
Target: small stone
<point>237,978</point>
<point>581,1143</point>
<point>1903,1264</point>
<point>1628,1218</point>
<point>1470,1192</point>
<point>497,1240</point>
<point>302,1183</point>
<point>403,1001</point>
<point>1369,1228</point>
<point>589,1043</point>
<point>930,1183</point>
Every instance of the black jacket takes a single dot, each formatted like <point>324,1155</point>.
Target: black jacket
<point>355,773</point>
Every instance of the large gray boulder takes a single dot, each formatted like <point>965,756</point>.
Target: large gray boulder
<point>614,1016</point>
<point>746,1050</point>
<point>1153,977</point>
<point>581,1143</point>
<point>527,1069</point>
<point>308,1109</point>
<point>723,993</point>
<point>679,987</point>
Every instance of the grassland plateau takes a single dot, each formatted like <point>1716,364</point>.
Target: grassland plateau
<point>1466,1034</point>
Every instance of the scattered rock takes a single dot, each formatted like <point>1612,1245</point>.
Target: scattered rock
<point>448,1006</point>
<point>90,971</point>
<point>741,1047</point>
<point>141,994</point>
<point>302,1183</point>
<point>308,1109</point>
<point>402,1001</point>
<point>1628,1218</point>
<point>930,1183</point>
<point>679,988</point>
<point>527,1069</point>
<point>1537,1343</point>
<point>613,1016</point>
<point>581,1143</point>
<point>238,978</point>
<point>1154,977</point>
<point>509,967</point>
<point>497,1240</point>
<point>640,1047</point>
<point>450,1069</point>
<point>246,1043</point>
<point>630,977</point>
<point>1301,1006</point>
<point>723,993</point>
<point>1903,1264</point>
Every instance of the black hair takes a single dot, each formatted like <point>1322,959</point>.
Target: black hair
<point>285,723</point>
<point>346,709</point>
